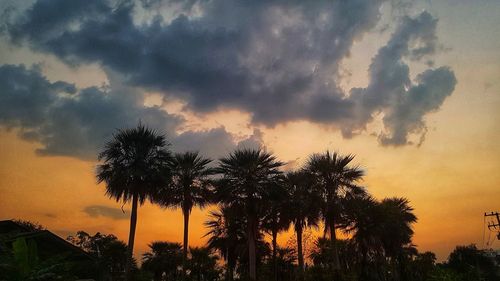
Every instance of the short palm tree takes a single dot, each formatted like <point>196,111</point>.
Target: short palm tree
<point>337,178</point>
<point>190,186</point>
<point>203,264</point>
<point>134,167</point>
<point>302,208</point>
<point>163,259</point>
<point>381,230</point>
<point>226,234</point>
<point>247,174</point>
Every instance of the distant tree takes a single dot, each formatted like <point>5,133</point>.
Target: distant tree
<point>473,264</point>
<point>247,175</point>
<point>422,266</point>
<point>134,167</point>
<point>337,178</point>
<point>31,226</point>
<point>190,187</point>
<point>163,260</point>
<point>110,252</point>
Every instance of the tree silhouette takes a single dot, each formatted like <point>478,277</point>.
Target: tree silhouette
<point>134,168</point>
<point>276,217</point>
<point>302,208</point>
<point>336,178</point>
<point>247,175</point>
<point>164,258</point>
<point>226,234</point>
<point>189,187</point>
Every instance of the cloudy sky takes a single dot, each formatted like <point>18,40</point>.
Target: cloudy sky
<point>410,87</point>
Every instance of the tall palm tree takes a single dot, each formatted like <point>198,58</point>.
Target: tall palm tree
<point>303,209</point>
<point>337,178</point>
<point>134,167</point>
<point>276,216</point>
<point>189,188</point>
<point>247,175</point>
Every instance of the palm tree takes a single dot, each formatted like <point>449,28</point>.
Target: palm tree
<point>134,167</point>
<point>398,218</point>
<point>163,259</point>
<point>337,179</point>
<point>363,218</point>
<point>381,230</point>
<point>275,218</point>
<point>302,208</point>
<point>189,188</point>
<point>203,265</point>
<point>247,175</point>
<point>227,236</point>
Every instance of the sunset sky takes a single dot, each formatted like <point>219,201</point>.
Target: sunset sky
<point>412,88</point>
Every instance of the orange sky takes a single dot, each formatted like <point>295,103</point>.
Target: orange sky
<point>450,180</point>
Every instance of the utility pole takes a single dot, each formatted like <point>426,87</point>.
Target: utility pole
<point>492,225</point>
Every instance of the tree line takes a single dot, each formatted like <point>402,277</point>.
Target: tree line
<point>255,196</point>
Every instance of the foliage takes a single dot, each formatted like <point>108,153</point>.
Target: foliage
<point>30,225</point>
<point>135,161</point>
<point>163,260</point>
<point>23,263</point>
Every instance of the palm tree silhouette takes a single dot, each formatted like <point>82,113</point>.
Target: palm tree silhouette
<point>337,179</point>
<point>275,216</point>
<point>163,259</point>
<point>134,168</point>
<point>303,209</point>
<point>226,232</point>
<point>381,230</point>
<point>189,187</point>
<point>247,175</point>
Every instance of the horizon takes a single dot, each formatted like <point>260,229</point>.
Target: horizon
<point>411,89</point>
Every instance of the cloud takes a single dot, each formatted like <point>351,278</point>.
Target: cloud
<point>96,211</point>
<point>76,122</point>
<point>390,91</point>
<point>277,60</point>
<point>214,143</point>
<point>68,121</point>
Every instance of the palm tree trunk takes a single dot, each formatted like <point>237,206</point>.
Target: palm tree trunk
<point>229,273</point>
<point>131,237</point>
<point>298,231</point>
<point>252,247</point>
<point>275,247</point>
<point>185,243</point>
<point>336,260</point>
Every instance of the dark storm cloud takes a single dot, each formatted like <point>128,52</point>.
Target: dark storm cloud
<point>104,211</point>
<point>68,121</point>
<point>76,122</point>
<point>278,60</point>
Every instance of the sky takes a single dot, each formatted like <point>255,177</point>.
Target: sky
<point>412,88</point>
